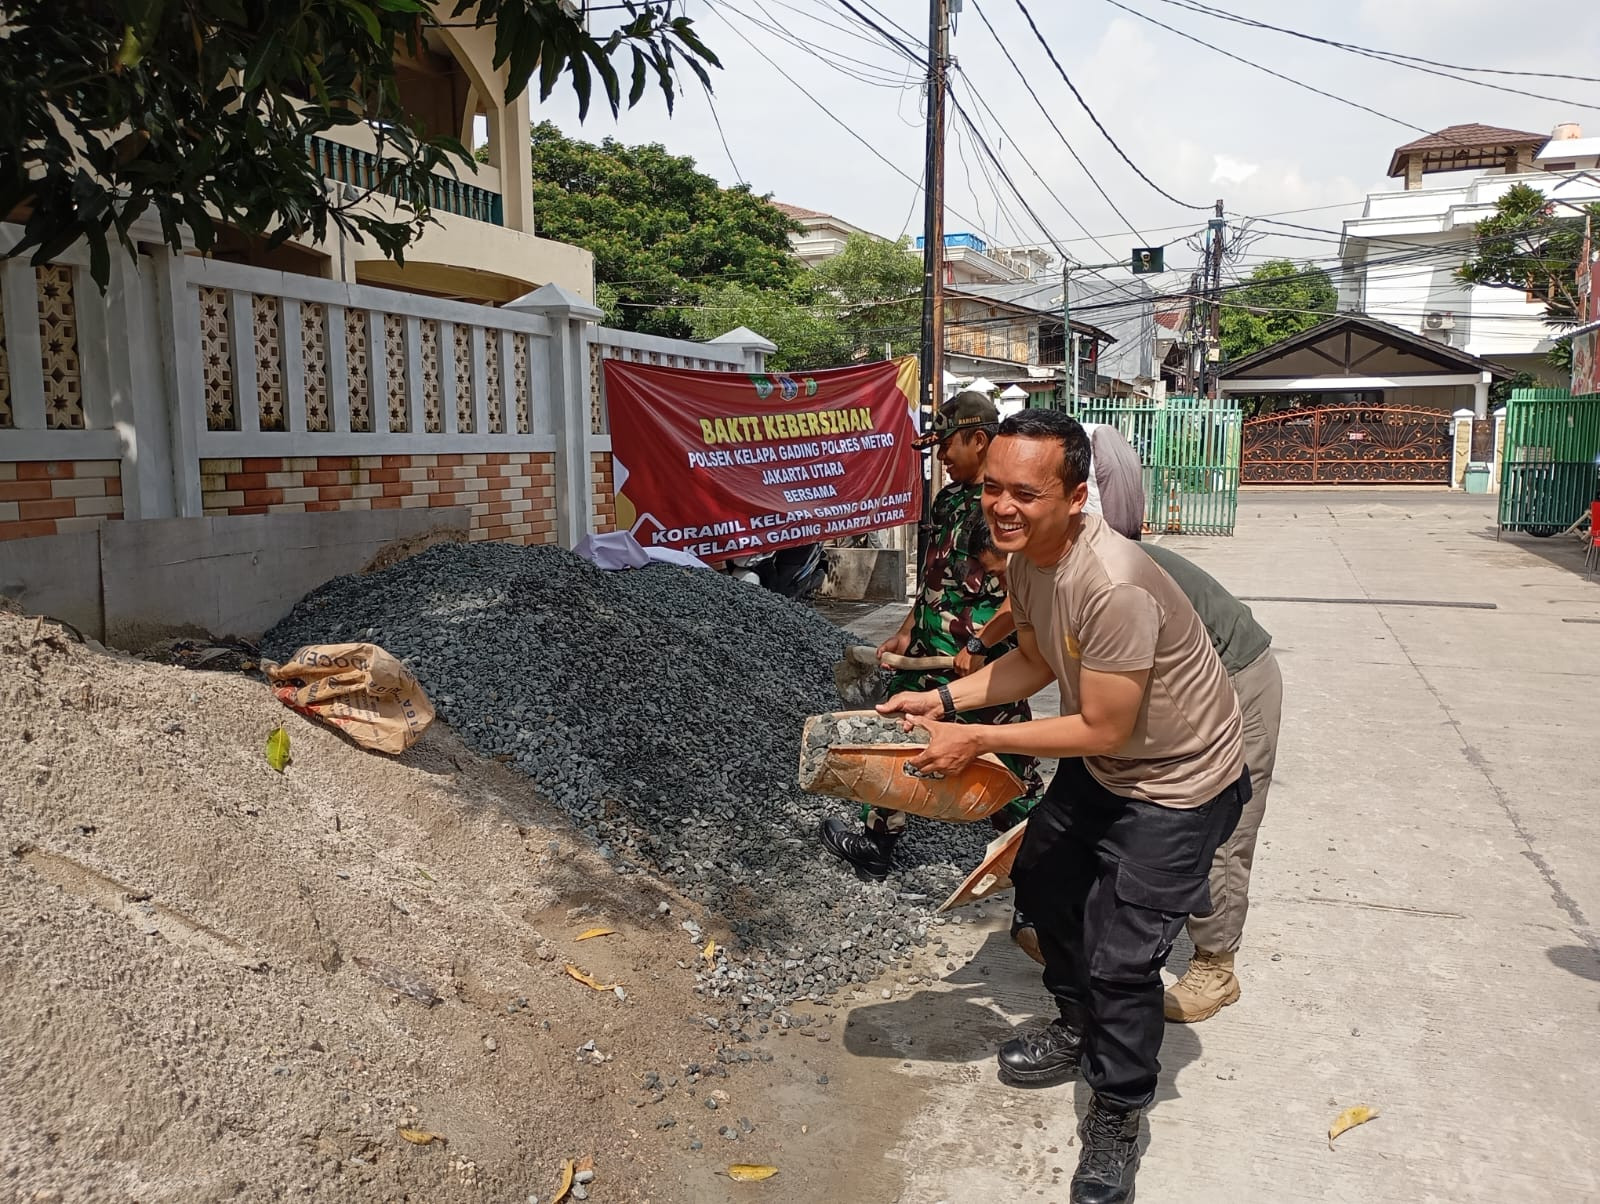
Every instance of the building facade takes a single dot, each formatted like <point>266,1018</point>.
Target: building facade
<point>1401,256</point>
<point>482,245</point>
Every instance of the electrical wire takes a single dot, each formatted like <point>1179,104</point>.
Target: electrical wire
<point>1340,237</point>
<point>1001,209</point>
<point>989,152</point>
<point>912,48</point>
<point>1062,71</point>
<point>994,158</point>
<point>830,114</point>
<point>979,227</point>
<point>1084,167</point>
<point>844,29</point>
<point>711,104</point>
<point>977,96</point>
<point>1275,74</point>
<point>1334,96</point>
<point>1386,55</point>
<point>911,38</point>
<point>856,69</point>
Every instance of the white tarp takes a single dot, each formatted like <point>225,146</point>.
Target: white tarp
<point>620,550</point>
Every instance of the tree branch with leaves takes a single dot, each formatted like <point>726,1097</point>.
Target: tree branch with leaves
<point>200,112</point>
<point>1532,245</point>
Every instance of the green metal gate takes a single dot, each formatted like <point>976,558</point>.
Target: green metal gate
<point>1189,447</point>
<point>1548,475</point>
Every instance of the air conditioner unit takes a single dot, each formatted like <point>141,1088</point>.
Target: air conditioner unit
<point>1439,319</point>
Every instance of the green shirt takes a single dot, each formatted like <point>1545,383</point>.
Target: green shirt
<point>958,594</point>
<point>1234,632</point>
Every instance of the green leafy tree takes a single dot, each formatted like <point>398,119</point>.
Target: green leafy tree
<point>807,331</point>
<point>1279,300</point>
<point>661,231</point>
<point>199,110</point>
<point>877,288</point>
<point>846,310</point>
<point>1533,246</point>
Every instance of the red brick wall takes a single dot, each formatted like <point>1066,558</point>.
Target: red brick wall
<point>52,497</point>
<point>511,494</point>
<point>602,490</point>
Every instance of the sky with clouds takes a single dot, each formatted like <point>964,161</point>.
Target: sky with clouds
<point>1200,125</point>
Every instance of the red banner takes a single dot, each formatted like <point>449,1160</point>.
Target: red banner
<point>722,464</point>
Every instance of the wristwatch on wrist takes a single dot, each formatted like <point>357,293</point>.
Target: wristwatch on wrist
<point>949,703</point>
<point>977,647</point>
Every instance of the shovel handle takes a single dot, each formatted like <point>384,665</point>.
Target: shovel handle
<point>916,663</point>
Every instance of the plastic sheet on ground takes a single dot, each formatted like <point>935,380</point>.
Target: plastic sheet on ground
<point>620,550</point>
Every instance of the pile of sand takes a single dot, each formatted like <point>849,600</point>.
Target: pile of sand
<point>199,958</point>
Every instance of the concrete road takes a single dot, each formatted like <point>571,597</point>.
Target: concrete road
<point>1423,931</point>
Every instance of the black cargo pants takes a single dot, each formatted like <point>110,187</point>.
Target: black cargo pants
<point>1107,882</point>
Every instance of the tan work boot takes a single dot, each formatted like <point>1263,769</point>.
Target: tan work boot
<point>1207,986</point>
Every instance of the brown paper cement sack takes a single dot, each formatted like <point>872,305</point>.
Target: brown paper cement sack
<point>993,874</point>
<point>358,688</point>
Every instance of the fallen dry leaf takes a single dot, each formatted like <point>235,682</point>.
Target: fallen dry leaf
<point>1349,1119</point>
<point>741,1172</point>
<point>420,1136</point>
<point>594,932</point>
<point>589,980</point>
<point>566,1180</point>
<point>710,951</point>
<point>278,749</point>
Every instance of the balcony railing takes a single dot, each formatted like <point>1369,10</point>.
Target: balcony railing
<point>359,169</point>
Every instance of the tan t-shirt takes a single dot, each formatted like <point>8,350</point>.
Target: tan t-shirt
<point>1109,607</point>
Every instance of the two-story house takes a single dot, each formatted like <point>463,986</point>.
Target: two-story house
<point>482,245</point>
<point>1400,257</point>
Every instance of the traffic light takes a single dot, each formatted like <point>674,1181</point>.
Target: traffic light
<point>1148,259</point>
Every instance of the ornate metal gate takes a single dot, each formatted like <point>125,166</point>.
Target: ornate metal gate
<point>1370,445</point>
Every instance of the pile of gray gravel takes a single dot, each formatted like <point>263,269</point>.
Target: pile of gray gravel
<point>661,708</point>
<point>847,729</point>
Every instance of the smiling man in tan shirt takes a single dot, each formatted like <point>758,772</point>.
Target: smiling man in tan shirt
<point>1151,778</point>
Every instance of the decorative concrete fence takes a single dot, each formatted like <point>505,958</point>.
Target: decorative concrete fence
<point>198,388</point>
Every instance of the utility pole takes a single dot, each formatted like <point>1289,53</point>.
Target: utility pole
<point>1208,375</point>
<point>1069,340</point>
<point>933,240</point>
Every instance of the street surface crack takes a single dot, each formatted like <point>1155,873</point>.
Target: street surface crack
<point>1562,897</point>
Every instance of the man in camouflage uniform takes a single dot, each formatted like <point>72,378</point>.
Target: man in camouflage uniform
<point>959,596</point>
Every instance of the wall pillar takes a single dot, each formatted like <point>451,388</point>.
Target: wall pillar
<point>754,347</point>
<point>179,323</point>
<point>1499,449</point>
<point>1480,395</point>
<point>135,351</point>
<point>1461,448</point>
<point>516,164</point>
<point>568,385</point>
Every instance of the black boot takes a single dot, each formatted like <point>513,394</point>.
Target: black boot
<point>869,851</point>
<point>1110,1156</point>
<point>1044,1058</point>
